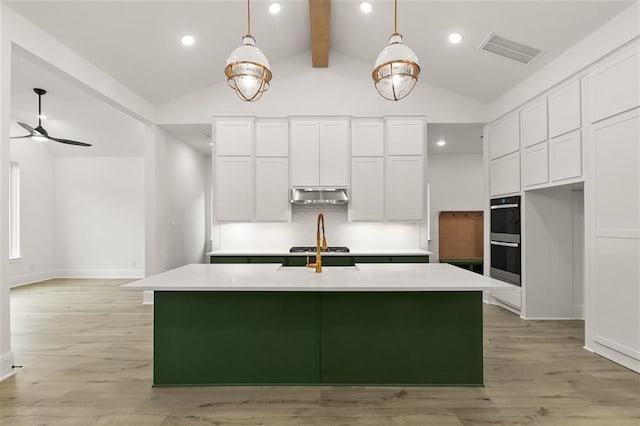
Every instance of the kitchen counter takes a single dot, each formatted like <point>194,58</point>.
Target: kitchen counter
<point>353,252</point>
<point>265,324</point>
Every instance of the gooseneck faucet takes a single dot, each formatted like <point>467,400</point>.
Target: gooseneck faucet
<point>321,244</point>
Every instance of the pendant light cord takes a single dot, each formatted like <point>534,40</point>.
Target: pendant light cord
<point>249,17</point>
<point>395,17</point>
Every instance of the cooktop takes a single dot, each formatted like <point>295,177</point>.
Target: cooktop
<point>312,249</point>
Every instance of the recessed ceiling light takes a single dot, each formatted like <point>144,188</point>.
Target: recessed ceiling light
<point>187,40</point>
<point>366,7</point>
<point>441,143</point>
<point>455,38</point>
<point>42,117</point>
<point>274,8</point>
<point>210,143</point>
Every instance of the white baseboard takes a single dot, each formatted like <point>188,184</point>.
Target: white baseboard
<point>20,280</point>
<point>147,297</point>
<point>7,361</point>
<point>100,273</point>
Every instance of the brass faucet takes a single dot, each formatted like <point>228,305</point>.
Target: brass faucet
<point>321,244</point>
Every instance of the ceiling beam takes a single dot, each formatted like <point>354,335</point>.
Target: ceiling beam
<point>320,17</point>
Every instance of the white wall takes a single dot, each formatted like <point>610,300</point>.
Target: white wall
<point>456,182</point>
<point>99,216</point>
<point>176,194</point>
<point>345,88</point>
<point>37,213</point>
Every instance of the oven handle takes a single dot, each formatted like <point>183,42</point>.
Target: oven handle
<point>504,206</point>
<point>500,243</point>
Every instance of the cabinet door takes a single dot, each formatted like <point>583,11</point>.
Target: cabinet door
<point>505,174</point>
<point>305,151</point>
<point>564,109</point>
<point>233,137</point>
<point>367,138</point>
<point>504,136</point>
<point>334,153</point>
<point>535,165</point>
<point>405,136</point>
<point>272,189</point>
<point>272,138</point>
<point>233,189</point>
<point>533,120</point>
<point>367,189</point>
<point>405,188</point>
<point>565,157</point>
<point>615,86</point>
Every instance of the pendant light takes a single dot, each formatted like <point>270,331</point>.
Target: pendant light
<point>396,70</point>
<point>247,68</point>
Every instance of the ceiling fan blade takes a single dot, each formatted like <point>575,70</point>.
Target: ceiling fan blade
<point>69,141</point>
<point>28,128</point>
<point>21,137</point>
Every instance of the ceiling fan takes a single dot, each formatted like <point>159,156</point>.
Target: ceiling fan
<point>40,132</point>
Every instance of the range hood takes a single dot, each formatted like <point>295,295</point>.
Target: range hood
<point>318,195</point>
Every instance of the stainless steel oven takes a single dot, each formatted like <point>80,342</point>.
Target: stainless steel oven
<point>505,239</point>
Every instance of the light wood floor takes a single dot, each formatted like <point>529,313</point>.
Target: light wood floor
<point>86,348</point>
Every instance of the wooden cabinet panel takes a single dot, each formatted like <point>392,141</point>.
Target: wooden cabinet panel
<point>272,189</point>
<point>233,137</point>
<point>615,86</point>
<point>564,109</point>
<point>405,136</point>
<point>405,188</point>
<point>272,138</point>
<point>535,165</point>
<point>234,189</point>
<point>367,189</point>
<point>533,120</point>
<point>305,151</point>
<point>367,138</point>
<point>565,157</point>
<point>505,174</point>
<point>334,153</point>
<point>504,136</point>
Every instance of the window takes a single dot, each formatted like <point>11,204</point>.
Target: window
<point>14,210</point>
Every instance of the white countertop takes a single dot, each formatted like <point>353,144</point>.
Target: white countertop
<point>353,252</point>
<point>364,277</point>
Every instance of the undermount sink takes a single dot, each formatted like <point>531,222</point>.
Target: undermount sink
<point>329,269</point>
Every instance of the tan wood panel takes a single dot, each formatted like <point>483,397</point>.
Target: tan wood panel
<point>461,235</point>
<point>320,19</point>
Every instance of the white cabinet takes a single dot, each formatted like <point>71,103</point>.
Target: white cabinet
<point>367,138</point>
<point>565,157</point>
<point>405,188</point>
<point>535,165</point>
<point>504,136</point>
<point>319,153</point>
<point>615,86</point>
<point>233,137</point>
<point>367,189</point>
<point>272,189</point>
<point>272,138</point>
<point>564,109</point>
<point>405,136</point>
<point>533,120</point>
<point>234,190</point>
<point>504,174</point>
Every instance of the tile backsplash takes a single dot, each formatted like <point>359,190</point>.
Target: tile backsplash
<point>301,231</point>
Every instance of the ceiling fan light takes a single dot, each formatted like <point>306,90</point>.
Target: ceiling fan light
<point>248,71</point>
<point>38,138</point>
<point>396,70</point>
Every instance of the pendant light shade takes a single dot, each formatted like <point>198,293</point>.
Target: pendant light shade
<point>396,70</point>
<point>248,71</point>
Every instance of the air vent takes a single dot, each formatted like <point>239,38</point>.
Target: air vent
<point>509,49</point>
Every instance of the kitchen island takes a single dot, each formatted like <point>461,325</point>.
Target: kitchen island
<point>264,324</point>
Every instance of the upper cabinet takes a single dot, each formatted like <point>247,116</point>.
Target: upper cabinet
<point>504,136</point>
<point>405,188</point>
<point>234,188</point>
<point>367,138</point>
<point>564,109</point>
<point>272,138</point>
<point>533,120</point>
<point>272,189</point>
<point>615,86</point>
<point>505,174</point>
<point>319,152</point>
<point>405,136</point>
<point>233,136</point>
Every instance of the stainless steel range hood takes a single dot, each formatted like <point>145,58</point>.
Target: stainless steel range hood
<point>318,195</point>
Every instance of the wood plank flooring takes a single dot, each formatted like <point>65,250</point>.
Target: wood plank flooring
<point>86,348</point>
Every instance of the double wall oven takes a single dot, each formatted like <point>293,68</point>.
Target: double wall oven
<point>505,239</point>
